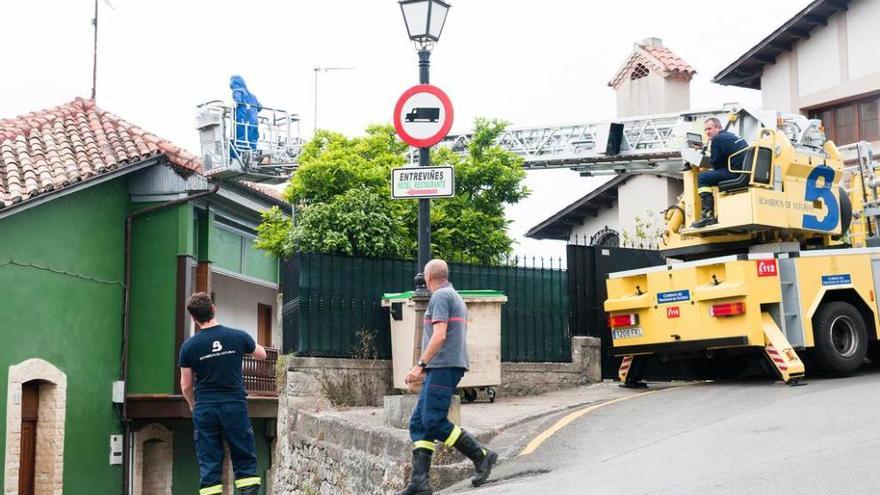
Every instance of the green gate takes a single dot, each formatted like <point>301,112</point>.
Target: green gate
<point>332,304</point>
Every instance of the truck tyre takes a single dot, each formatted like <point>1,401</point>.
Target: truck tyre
<point>841,339</point>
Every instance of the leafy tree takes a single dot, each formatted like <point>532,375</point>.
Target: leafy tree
<point>342,195</point>
<point>472,224</point>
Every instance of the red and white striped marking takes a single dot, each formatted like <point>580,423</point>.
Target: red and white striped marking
<point>625,364</point>
<point>777,359</point>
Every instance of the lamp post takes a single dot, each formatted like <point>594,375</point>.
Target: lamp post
<point>424,22</point>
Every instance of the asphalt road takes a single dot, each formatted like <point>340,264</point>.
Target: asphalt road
<point>752,438</point>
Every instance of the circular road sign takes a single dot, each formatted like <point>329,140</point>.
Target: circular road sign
<point>423,116</point>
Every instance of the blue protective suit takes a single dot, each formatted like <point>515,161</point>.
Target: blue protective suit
<point>247,106</point>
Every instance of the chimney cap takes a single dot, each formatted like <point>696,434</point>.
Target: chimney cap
<point>655,42</point>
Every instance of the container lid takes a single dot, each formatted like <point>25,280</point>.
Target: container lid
<point>400,296</point>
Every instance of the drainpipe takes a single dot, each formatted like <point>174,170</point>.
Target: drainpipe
<point>126,325</point>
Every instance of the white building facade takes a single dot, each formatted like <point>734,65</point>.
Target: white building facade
<point>825,63</point>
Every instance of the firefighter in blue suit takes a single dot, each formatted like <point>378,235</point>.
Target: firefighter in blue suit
<point>212,360</point>
<point>247,108</point>
<point>722,144</point>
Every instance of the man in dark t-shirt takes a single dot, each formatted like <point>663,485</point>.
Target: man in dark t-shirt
<point>212,359</point>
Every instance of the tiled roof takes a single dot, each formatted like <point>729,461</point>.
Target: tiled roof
<point>263,189</point>
<point>54,148</point>
<point>671,62</point>
<point>659,57</point>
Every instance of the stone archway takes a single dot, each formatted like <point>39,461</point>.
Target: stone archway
<point>50,426</point>
<point>153,460</point>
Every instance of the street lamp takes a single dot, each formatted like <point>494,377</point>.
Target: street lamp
<point>424,22</point>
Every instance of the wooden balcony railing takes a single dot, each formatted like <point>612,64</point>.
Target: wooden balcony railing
<point>259,376</point>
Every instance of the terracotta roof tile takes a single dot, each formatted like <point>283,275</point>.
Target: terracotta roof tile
<point>671,61</point>
<point>54,148</point>
<point>657,57</point>
<point>263,189</point>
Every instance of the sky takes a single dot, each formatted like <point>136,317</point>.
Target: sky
<point>528,62</point>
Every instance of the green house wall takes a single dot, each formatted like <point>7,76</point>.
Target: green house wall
<point>237,253</point>
<point>68,319</point>
<point>157,239</point>
<point>65,306</point>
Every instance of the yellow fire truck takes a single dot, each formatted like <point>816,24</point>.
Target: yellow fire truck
<point>788,272</point>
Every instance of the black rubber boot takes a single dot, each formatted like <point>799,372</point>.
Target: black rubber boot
<point>708,216</point>
<point>420,480</point>
<point>483,457</point>
<point>250,490</point>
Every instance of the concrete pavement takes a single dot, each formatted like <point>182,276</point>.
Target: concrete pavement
<point>734,437</point>
<point>488,420</point>
<point>359,432</point>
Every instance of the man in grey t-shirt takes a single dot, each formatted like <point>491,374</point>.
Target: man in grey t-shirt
<point>443,362</point>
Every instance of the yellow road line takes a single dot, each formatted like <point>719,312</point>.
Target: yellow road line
<point>562,423</point>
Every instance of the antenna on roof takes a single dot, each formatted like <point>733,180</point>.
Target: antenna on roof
<point>324,69</point>
<point>95,48</point>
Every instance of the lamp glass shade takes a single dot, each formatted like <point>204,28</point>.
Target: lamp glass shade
<point>424,19</point>
<point>415,14</point>
<point>437,19</point>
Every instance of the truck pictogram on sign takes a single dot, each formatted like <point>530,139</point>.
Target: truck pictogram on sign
<point>423,114</point>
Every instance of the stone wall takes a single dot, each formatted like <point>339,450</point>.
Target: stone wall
<point>340,382</point>
<point>319,453</point>
<point>325,454</point>
<point>49,468</point>
<point>317,383</point>
<point>537,378</point>
<point>153,460</point>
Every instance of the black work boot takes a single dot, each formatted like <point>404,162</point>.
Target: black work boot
<point>250,490</point>
<point>708,216</point>
<point>483,457</point>
<point>420,480</point>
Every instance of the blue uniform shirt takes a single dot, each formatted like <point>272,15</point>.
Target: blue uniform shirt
<point>722,146</point>
<point>215,355</point>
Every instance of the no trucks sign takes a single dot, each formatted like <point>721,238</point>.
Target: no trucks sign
<point>422,182</point>
<point>423,116</point>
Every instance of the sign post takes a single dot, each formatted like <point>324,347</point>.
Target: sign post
<point>422,118</point>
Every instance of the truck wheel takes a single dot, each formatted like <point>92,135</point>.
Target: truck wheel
<point>840,337</point>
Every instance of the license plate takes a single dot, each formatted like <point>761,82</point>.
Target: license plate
<point>626,333</point>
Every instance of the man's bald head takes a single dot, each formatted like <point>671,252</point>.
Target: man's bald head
<point>436,273</point>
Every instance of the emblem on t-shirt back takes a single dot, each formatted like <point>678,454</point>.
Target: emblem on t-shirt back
<point>217,347</point>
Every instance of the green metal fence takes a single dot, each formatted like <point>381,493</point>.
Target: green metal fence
<point>332,304</point>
